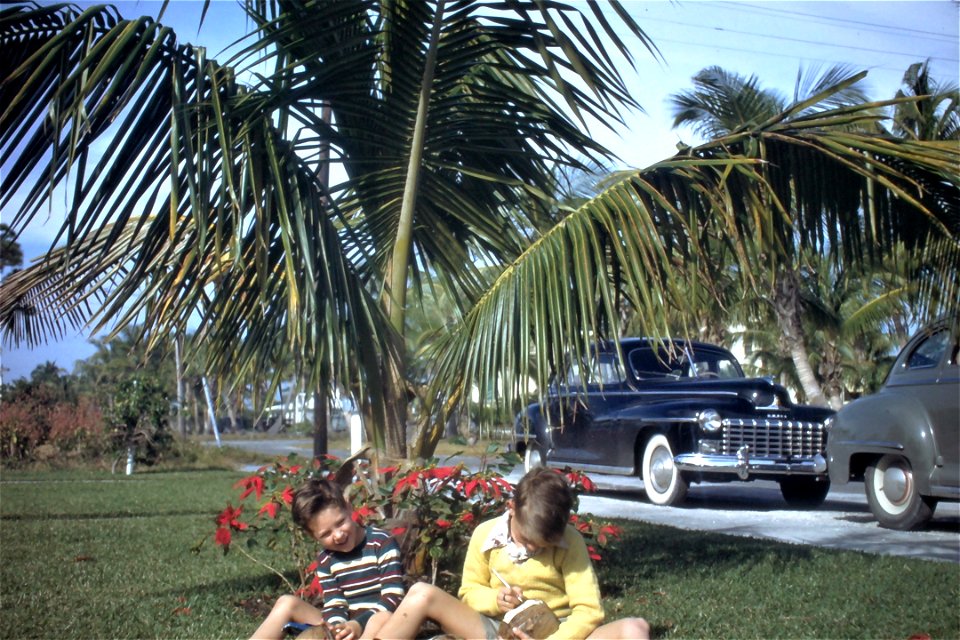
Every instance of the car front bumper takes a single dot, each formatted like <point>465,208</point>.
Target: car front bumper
<point>744,466</point>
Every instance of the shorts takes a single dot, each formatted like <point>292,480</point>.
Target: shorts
<point>491,626</point>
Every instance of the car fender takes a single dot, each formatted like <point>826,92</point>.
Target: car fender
<point>530,426</point>
<point>889,422</point>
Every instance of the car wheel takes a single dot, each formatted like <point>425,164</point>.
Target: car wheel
<point>662,481</point>
<point>804,493</point>
<point>532,458</point>
<point>892,494</point>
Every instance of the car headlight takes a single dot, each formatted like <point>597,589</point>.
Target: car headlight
<point>763,398</point>
<point>709,420</point>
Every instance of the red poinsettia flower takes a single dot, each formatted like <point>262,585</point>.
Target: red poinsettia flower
<point>384,471</point>
<point>312,590</point>
<point>252,484</point>
<point>230,517</point>
<point>407,482</point>
<point>398,531</point>
<point>608,531</point>
<point>362,513</point>
<point>472,486</point>
<point>222,537</point>
<point>593,554</point>
<point>287,495</point>
<point>441,473</point>
<point>294,469</point>
<point>444,524</point>
<point>271,509</point>
<point>466,517</point>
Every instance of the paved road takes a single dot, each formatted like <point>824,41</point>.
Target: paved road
<point>753,509</point>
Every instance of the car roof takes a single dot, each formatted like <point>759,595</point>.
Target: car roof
<point>636,343</point>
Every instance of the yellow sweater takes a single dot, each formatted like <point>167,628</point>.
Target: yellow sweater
<point>561,576</point>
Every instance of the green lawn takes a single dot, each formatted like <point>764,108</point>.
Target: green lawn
<point>90,555</point>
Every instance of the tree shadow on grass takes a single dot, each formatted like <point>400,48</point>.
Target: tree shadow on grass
<point>650,553</point>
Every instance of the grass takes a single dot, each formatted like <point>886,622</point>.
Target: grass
<point>89,555</point>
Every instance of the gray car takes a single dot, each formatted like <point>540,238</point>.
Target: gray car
<point>902,441</point>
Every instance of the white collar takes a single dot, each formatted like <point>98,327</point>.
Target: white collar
<point>499,538</point>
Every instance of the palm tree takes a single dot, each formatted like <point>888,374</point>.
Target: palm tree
<point>722,103</point>
<point>11,255</point>
<point>935,115</point>
<point>448,118</point>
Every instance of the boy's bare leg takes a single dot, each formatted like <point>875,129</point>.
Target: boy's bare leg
<point>635,628</point>
<point>286,609</point>
<point>374,624</point>
<point>425,601</point>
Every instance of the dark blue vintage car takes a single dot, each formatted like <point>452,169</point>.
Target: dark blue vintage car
<point>676,413</point>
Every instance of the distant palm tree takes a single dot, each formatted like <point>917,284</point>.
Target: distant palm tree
<point>11,255</point>
<point>936,115</point>
<point>722,103</point>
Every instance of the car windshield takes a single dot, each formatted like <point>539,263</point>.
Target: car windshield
<point>647,363</point>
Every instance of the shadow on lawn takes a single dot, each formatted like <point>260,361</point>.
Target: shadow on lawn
<point>646,554</point>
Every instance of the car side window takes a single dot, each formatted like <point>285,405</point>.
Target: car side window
<point>647,363</point>
<point>602,371</point>
<point>930,352</point>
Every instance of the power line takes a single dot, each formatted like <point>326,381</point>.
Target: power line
<point>787,38</point>
<point>773,54</point>
<point>842,22</point>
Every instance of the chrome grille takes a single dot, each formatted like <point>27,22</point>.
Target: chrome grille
<point>773,438</point>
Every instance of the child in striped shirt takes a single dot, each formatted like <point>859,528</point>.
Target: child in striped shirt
<point>359,569</point>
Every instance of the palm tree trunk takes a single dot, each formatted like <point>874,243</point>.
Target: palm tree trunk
<point>395,405</point>
<point>786,305</point>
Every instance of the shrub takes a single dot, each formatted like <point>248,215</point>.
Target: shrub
<point>138,418</point>
<point>33,421</point>
<point>78,427</point>
<point>430,508</point>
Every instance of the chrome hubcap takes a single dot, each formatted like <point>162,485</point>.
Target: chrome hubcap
<point>896,484</point>
<point>661,469</point>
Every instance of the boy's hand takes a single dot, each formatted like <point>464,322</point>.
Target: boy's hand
<point>347,631</point>
<point>519,634</point>
<point>508,599</point>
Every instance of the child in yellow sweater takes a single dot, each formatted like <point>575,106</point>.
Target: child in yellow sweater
<point>534,549</point>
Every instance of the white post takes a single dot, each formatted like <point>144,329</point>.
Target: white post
<point>130,451</point>
<point>356,433</point>
<point>210,410</point>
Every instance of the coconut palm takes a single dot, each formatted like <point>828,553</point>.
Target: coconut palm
<point>194,195</point>
<point>721,103</point>
<point>935,115</point>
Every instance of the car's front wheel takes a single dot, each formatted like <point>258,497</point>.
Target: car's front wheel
<point>804,493</point>
<point>892,494</point>
<point>532,458</point>
<point>662,481</point>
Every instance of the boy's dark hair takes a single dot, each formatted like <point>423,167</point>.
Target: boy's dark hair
<point>313,497</point>
<point>542,504</point>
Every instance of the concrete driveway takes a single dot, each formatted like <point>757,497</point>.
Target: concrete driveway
<point>752,509</point>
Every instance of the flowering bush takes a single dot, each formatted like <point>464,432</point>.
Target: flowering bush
<point>430,508</point>
<point>74,427</point>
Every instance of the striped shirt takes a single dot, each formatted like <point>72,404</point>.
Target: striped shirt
<point>359,583</point>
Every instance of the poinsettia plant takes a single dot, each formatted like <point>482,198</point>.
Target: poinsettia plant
<point>431,508</point>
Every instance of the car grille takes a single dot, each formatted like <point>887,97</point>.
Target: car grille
<point>773,438</point>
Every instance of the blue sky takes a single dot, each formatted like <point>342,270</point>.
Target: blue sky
<point>769,39</point>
